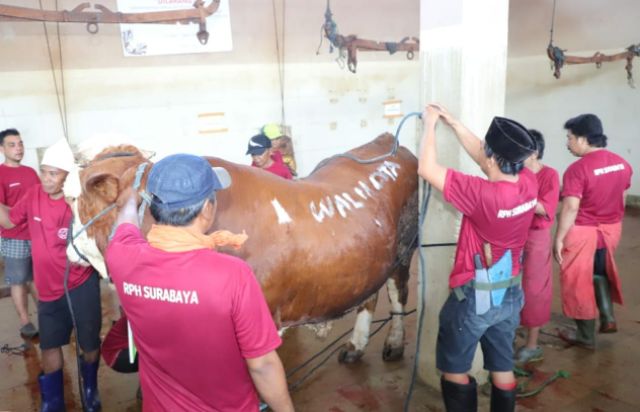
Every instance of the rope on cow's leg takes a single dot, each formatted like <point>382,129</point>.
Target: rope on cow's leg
<point>392,313</point>
<point>300,381</point>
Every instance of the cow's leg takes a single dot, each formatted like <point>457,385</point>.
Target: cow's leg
<point>397,287</point>
<point>354,349</point>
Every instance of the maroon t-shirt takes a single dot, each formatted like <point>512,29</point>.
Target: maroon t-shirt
<point>195,317</point>
<point>278,167</point>
<point>14,182</point>
<point>498,213</point>
<point>599,180</point>
<point>48,222</point>
<point>548,197</point>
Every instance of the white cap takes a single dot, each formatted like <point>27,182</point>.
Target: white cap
<point>59,155</point>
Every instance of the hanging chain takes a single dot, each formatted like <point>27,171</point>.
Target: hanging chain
<point>280,54</point>
<point>553,20</point>
<point>62,105</point>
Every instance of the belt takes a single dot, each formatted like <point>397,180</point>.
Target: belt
<point>503,284</point>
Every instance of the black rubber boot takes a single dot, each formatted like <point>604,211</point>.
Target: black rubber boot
<point>52,391</point>
<point>459,398</point>
<point>603,298</point>
<point>501,400</point>
<point>90,380</point>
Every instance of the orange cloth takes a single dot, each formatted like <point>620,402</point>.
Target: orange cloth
<point>576,271</point>
<point>180,239</point>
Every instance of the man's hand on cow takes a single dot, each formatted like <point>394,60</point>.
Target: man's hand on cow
<point>128,202</point>
<point>128,195</point>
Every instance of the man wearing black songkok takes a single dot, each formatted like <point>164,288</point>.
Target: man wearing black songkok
<point>486,297</point>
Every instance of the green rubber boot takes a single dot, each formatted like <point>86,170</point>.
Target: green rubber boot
<point>584,337</point>
<point>603,298</point>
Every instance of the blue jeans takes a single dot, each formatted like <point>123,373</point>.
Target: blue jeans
<point>461,329</point>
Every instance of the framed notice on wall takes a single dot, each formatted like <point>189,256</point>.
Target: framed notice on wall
<point>164,39</point>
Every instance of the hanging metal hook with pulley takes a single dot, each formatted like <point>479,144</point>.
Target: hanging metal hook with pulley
<point>351,43</point>
<point>80,14</point>
<point>559,58</point>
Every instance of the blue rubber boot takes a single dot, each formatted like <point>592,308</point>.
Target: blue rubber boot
<point>90,379</point>
<point>52,391</point>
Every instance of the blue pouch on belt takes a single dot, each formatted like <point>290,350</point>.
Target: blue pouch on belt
<point>499,272</point>
<point>487,296</point>
<point>483,297</point>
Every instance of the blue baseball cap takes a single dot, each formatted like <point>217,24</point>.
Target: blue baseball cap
<point>182,180</point>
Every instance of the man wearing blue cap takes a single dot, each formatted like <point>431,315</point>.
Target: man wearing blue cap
<point>199,319</point>
<point>486,297</point>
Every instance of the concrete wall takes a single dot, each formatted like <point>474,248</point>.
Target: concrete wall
<point>156,100</point>
<point>158,107</point>
<point>539,101</point>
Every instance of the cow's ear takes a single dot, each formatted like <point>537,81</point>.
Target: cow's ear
<point>103,185</point>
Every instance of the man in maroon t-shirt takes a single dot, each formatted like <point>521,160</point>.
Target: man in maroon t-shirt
<point>45,212</point>
<point>264,157</point>
<point>589,230</point>
<point>201,324</point>
<point>15,246</point>
<point>537,264</point>
<point>486,297</point>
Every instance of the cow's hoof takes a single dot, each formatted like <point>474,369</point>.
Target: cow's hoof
<point>349,354</point>
<point>390,354</point>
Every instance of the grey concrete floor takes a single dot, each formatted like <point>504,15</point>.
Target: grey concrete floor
<point>601,380</point>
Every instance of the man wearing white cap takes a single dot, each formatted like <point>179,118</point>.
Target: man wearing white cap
<point>47,215</point>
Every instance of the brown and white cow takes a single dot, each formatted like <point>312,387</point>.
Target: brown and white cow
<point>320,246</point>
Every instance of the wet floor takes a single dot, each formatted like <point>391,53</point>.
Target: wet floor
<point>604,380</point>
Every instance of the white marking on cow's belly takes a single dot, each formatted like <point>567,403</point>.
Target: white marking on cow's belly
<point>282,331</point>
<point>360,336</point>
<point>321,329</point>
<point>377,222</point>
<point>283,216</point>
<point>395,337</point>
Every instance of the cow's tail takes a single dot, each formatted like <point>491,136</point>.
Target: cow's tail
<point>408,230</point>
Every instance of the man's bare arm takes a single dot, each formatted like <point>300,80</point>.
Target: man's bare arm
<point>472,144</point>
<point>428,167</point>
<point>129,211</point>
<point>269,378</point>
<point>568,214</point>
<point>5,222</point>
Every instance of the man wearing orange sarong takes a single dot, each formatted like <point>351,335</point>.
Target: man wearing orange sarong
<point>589,230</point>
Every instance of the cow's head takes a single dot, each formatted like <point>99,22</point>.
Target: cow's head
<point>93,189</point>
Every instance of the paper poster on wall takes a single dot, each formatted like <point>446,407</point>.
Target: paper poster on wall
<point>392,108</point>
<point>163,39</point>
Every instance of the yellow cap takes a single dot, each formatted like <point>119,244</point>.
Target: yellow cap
<point>272,131</point>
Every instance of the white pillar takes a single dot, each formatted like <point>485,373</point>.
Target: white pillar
<point>463,48</point>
